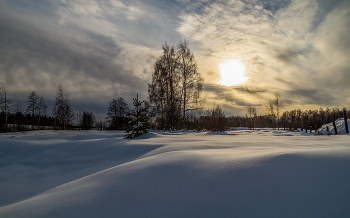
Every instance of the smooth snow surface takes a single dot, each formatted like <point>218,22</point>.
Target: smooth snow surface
<point>245,173</point>
<point>339,123</point>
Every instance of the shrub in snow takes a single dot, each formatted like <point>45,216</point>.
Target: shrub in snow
<point>139,122</point>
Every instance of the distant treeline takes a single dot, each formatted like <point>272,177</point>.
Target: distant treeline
<point>33,116</point>
<point>291,120</point>
<point>174,102</point>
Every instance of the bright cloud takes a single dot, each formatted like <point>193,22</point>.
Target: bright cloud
<point>280,49</point>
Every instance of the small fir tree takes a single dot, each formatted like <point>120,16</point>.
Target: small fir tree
<point>139,120</point>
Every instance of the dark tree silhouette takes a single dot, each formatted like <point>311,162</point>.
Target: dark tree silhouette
<point>32,106</point>
<point>62,111</point>
<point>273,111</point>
<point>164,92</point>
<point>251,116</point>
<point>213,119</point>
<point>41,109</point>
<point>192,81</point>
<point>5,103</point>
<point>87,120</point>
<point>176,85</point>
<point>139,120</point>
<point>278,105</point>
<point>117,113</point>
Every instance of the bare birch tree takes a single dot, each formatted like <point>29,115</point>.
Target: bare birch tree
<point>176,85</point>
<point>278,106</point>
<point>192,81</point>
<point>251,115</point>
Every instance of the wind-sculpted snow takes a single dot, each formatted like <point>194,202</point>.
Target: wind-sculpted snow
<point>245,173</point>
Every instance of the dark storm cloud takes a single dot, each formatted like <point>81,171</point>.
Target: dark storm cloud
<point>29,54</point>
<point>230,99</point>
<point>213,88</point>
<point>286,56</point>
<point>26,46</point>
<point>250,90</point>
<point>244,89</point>
<point>38,52</point>
<point>241,102</point>
<point>312,96</point>
<point>228,94</point>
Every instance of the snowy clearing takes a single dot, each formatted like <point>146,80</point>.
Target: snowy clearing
<point>244,173</point>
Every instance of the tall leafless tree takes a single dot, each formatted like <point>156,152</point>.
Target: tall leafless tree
<point>192,81</point>
<point>176,85</point>
<point>165,90</point>
<point>274,109</point>
<point>251,115</point>
<point>277,102</point>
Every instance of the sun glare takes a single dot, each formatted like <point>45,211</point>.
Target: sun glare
<point>232,73</point>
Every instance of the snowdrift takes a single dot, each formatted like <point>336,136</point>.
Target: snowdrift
<point>246,173</point>
<point>339,123</point>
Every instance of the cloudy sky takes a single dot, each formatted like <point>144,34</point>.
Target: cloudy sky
<point>100,50</point>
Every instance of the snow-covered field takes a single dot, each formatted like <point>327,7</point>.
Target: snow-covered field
<point>260,173</point>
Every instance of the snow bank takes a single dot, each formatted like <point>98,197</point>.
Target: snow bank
<point>255,173</point>
<point>339,123</point>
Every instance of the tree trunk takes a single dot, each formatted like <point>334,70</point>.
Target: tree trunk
<point>346,122</point>
<point>335,128</point>
<point>6,112</point>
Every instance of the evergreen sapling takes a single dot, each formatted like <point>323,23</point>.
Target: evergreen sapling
<point>139,120</point>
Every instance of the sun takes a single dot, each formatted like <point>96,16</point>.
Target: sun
<point>232,73</point>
